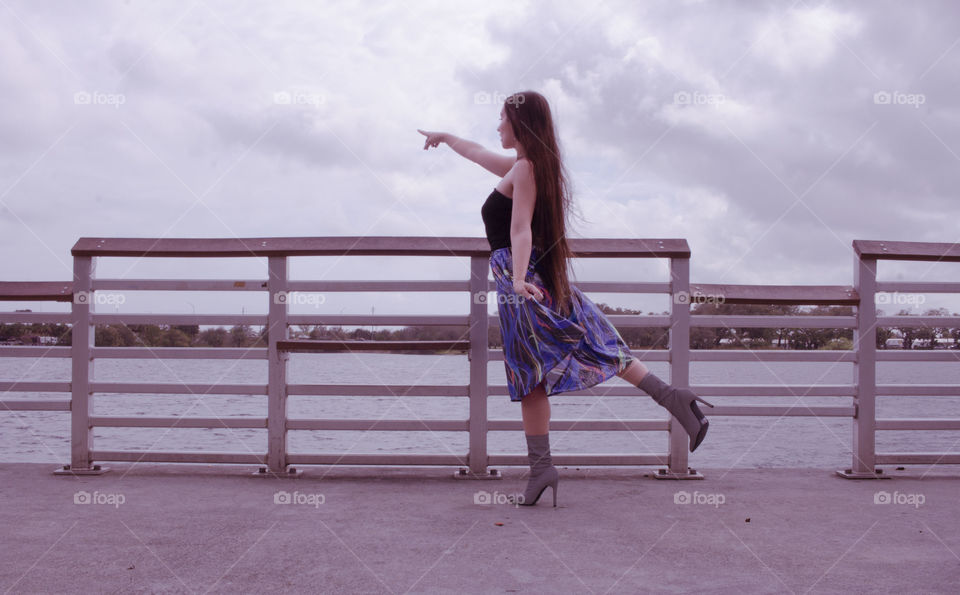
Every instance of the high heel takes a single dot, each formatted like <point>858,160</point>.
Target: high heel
<point>681,403</point>
<point>536,485</point>
<point>542,472</point>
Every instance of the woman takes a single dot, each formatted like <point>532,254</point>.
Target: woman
<point>555,339</point>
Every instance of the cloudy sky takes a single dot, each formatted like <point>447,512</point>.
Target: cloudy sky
<point>768,134</point>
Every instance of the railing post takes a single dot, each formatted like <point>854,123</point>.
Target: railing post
<point>864,371</point>
<point>479,347</point>
<point>278,271</point>
<point>82,339</point>
<point>679,364</point>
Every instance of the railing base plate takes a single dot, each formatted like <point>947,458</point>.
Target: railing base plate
<point>851,474</point>
<point>290,473</point>
<point>667,474</point>
<point>464,473</point>
<point>95,470</point>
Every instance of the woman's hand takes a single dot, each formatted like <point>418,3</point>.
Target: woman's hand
<point>433,138</point>
<point>527,290</point>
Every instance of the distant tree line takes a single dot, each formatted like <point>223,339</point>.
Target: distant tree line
<point>154,335</point>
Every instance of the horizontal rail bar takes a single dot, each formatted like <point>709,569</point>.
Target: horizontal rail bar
<point>114,421</point>
<point>929,423</point>
<point>376,459</point>
<point>178,352</point>
<point>918,287</point>
<point>23,386</point>
<point>775,390</point>
<point>43,317</point>
<point>590,287</point>
<point>783,410</point>
<point>205,319</point>
<point>379,320</point>
<point>346,285</point>
<point>386,425</point>
<point>35,405</point>
<point>918,355</point>
<point>887,250</point>
<point>719,390</point>
<point>34,351</point>
<point>360,345</point>
<point>380,390</point>
<point>744,321</point>
<point>946,390</point>
<point>586,425</point>
<point>36,291</point>
<point>178,388</point>
<point>572,460</point>
<point>360,246</point>
<point>179,284</point>
<point>769,294</point>
<point>919,321</point>
<point>917,458</point>
<point>770,355</point>
<point>154,456</point>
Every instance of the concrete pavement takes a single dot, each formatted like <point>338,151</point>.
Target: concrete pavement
<point>206,528</point>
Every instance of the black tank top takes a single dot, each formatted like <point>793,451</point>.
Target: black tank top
<point>496,214</point>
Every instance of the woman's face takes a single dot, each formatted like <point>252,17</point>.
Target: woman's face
<point>507,139</point>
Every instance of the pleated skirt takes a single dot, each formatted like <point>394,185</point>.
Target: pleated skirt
<point>566,353</point>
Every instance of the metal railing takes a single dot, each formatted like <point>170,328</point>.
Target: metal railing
<point>83,318</point>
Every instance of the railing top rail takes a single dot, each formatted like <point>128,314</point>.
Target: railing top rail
<point>880,249</point>
<point>36,291</point>
<point>361,245</point>
<point>778,294</point>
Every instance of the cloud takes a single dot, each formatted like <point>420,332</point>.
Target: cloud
<point>700,120</point>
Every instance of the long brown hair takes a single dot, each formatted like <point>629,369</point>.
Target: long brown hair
<point>532,123</point>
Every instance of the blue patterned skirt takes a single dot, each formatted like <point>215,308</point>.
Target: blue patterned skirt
<point>540,345</point>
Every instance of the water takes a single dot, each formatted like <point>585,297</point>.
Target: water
<point>733,442</point>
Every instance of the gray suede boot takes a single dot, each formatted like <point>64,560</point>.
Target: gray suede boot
<point>542,471</point>
<point>681,403</point>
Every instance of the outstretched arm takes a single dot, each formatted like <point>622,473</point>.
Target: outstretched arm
<point>492,162</point>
